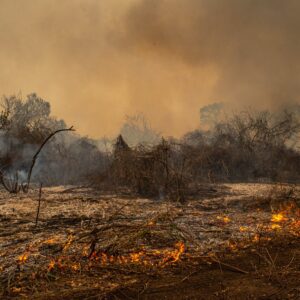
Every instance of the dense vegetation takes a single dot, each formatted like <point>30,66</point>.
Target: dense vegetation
<point>249,146</point>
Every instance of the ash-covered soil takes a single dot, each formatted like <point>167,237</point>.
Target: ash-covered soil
<point>233,241</point>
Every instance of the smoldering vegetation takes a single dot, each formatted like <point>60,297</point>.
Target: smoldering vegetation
<point>247,146</point>
<point>67,159</point>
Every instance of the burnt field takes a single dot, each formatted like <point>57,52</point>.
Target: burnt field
<point>149,149</point>
<point>147,217</point>
<point>232,241</point>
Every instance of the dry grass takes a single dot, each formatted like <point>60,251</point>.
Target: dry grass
<point>90,244</point>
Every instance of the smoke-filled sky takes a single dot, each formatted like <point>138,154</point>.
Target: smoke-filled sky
<point>98,60</point>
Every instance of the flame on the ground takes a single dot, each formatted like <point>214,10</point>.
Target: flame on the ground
<point>155,257</point>
<point>174,256</point>
<point>243,228</point>
<point>225,219</point>
<point>86,250</point>
<point>275,226</point>
<point>23,258</point>
<point>287,217</point>
<point>51,264</point>
<point>51,241</point>
<point>256,238</point>
<point>279,217</point>
<point>158,258</point>
<point>285,220</point>
<point>75,266</point>
<point>68,243</point>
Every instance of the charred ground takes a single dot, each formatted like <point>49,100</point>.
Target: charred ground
<point>240,241</point>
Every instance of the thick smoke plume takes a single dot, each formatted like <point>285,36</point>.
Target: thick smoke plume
<point>252,45</point>
<point>98,61</point>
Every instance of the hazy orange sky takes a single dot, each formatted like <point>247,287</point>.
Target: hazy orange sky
<point>98,60</point>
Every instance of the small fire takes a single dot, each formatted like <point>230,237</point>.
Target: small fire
<point>225,219</point>
<point>50,241</point>
<point>278,218</point>
<point>136,257</point>
<point>295,227</point>
<point>289,215</point>
<point>174,256</point>
<point>296,224</point>
<point>179,251</point>
<point>151,223</point>
<point>275,226</point>
<point>155,257</point>
<point>68,243</point>
<point>256,238</point>
<point>243,228</point>
<point>85,251</point>
<point>51,264</point>
<point>232,246</point>
<point>23,258</point>
<point>75,266</point>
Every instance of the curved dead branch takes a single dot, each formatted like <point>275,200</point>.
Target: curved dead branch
<point>26,187</point>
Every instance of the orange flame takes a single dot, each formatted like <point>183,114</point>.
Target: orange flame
<point>225,219</point>
<point>243,228</point>
<point>276,226</point>
<point>278,218</point>
<point>51,264</point>
<point>174,256</point>
<point>50,241</point>
<point>23,258</point>
<point>68,243</point>
<point>256,238</point>
<point>75,266</point>
<point>147,259</point>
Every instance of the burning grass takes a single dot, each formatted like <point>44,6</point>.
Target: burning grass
<point>88,244</point>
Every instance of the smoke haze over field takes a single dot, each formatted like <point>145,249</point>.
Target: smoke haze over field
<point>97,61</point>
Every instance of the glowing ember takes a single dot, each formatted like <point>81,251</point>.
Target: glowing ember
<point>85,251</point>
<point>135,257</point>
<point>225,219</point>
<point>50,241</point>
<point>177,253</point>
<point>295,227</point>
<point>256,238</point>
<point>243,228</point>
<point>51,265</point>
<point>151,258</point>
<point>296,224</point>
<point>75,267</point>
<point>68,243</point>
<point>233,246</point>
<point>278,218</point>
<point>22,258</point>
<point>275,226</point>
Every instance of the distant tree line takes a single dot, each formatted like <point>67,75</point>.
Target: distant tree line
<point>248,146</point>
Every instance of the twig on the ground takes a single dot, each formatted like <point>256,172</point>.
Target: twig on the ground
<point>228,266</point>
